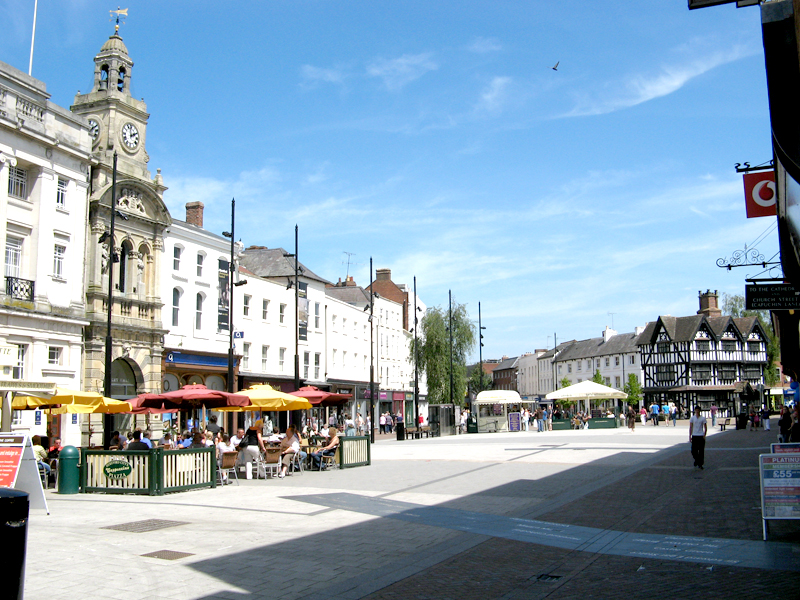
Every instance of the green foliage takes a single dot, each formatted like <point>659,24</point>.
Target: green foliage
<point>734,306</point>
<point>634,389</point>
<point>597,378</point>
<point>433,352</point>
<point>474,384</point>
<point>565,383</point>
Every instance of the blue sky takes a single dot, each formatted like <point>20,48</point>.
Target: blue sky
<point>436,137</point>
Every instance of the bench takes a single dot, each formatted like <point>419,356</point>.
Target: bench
<point>724,424</point>
<point>411,432</point>
<point>426,431</point>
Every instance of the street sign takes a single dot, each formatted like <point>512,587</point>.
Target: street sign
<point>784,448</point>
<point>776,296</point>
<point>759,194</point>
<point>238,335</point>
<point>706,3</point>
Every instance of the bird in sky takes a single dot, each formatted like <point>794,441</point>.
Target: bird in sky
<point>556,67</point>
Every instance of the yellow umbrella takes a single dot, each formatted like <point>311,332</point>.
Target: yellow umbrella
<point>103,405</point>
<point>264,397</point>
<point>90,401</point>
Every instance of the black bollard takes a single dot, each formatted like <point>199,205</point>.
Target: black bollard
<point>14,533</point>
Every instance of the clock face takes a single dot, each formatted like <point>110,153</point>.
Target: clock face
<point>94,129</point>
<point>130,135</point>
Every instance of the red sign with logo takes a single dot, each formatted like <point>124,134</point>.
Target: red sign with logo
<point>759,194</point>
<point>11,447</point>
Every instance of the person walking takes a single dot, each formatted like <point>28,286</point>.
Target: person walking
<point>698,428</point>
<point>765,418</point>
<point>654,413</point>
<point>714,410</point>
<point>784,425</point>
<point>673,413</point>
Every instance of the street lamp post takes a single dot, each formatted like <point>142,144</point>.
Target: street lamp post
<point>371,355</point>
<point>108,420</point>
<point>450,310</point>
<point>231,284</point>
<point>416,356</point>
<point>480,348</point>
<point>296,314</point>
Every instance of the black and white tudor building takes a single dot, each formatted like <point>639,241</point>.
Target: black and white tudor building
<point>703,359</point>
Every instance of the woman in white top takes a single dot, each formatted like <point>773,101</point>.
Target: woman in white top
<point>289,447</point>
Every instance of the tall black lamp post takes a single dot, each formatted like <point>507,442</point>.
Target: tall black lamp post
<point>416,355</point>
<point>480,348</point>
<point>231,284</point>
<point>450,310</point>
<point>108,420</point>
<point>371,356</point>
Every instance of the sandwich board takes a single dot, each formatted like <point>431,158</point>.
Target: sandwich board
<point>19,469</point>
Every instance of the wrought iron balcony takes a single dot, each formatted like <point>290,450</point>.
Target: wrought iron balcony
<point>20,289</point>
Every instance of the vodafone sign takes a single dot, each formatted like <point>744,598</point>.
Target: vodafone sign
<point>759,194</point>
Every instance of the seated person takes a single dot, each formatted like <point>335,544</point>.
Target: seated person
<point>289,447</point>
<point>146,438</point>
<point>225,445</point>
<point>212,424</point>
<point>186,440</point>
<point>237,439</point>
<point>328,450</point>
<point>276,436</point>
<point>166,442</point>
<point>198,441</point>
<point>40,453</point>
<point>137,443</point>
<point>55,448</point>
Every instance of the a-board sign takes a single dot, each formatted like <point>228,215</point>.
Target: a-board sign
<point>514,421</point>
<point>19,468</point>
<point>782,448</point>
<point>780,485</point>
<point>117,468</point>
<point>10,458</point>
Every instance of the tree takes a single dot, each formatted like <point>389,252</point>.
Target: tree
<point>433,352</point>
<point>566,402</point>
<point>565,382</point>
<point>474,383</point>
<point>734,306</point>
<point>634,389</point>
<point>597,378</point>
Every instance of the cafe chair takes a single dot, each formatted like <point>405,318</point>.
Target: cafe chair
<point>227,465</point>
<point>331,461</point>
<point>297,463</point>
<point>271,463</point>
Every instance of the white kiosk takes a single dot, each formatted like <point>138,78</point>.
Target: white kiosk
<point>499,410</point>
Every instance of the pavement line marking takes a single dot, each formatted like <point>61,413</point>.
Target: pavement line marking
<point>719,551</point>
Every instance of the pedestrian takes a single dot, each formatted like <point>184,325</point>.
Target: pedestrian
<point>714,410</point>
<point>631,419</point>
<point>643,415</point>
<point>382,423</point>
<point>673,413</point>
<point>698,428</point>
<point>765,418</point>
<point>784,425</point>
<point>654,413</point>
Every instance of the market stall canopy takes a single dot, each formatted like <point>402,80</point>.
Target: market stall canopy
<point>498,397</point>
<point>586,390</point>
<point>264,397</point>
<point>319,397</point>
<point>193,396</point>
<point>73,401</point>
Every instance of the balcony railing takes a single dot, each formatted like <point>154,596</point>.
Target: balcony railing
<point>20,289</point>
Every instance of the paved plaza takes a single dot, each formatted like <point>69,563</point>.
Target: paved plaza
<point>571,514</point>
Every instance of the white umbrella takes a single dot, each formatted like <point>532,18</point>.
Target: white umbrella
<point>586,390</point>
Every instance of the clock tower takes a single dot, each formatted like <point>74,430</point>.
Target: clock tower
<point>118,126</point>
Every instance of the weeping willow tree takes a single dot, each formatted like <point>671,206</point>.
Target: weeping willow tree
<point>433,352</point>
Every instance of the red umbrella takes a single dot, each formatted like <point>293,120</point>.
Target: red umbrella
<point>138,409</point>
<point>192,396</point>
<point>319,397</point>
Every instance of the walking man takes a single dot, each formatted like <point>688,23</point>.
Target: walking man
<point>698,427</point>
<point>654,413</point>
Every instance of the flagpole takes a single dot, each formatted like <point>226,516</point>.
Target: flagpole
<point>33,35</point>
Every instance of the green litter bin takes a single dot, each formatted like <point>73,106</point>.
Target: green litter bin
<point>472,424</point>
<point>69,472</point>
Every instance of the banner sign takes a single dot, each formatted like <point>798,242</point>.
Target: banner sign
<point>759,194</point>
<point>777,296</point>
<point>784,448</point>
<point>302,308</point>
<point>780,486</point>
<point>19,468</point>
<point>514,421</point>
<point>223,289</point>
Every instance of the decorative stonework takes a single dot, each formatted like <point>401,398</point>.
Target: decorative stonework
<point>131,200</point>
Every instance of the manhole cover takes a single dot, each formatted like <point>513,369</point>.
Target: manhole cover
<point>547,577</point>
<point>168,554</point>
<point>146,525</point>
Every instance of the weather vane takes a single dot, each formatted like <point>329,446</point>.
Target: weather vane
<point>120,12</point>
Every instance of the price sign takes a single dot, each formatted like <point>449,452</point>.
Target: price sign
<point>780,486</point>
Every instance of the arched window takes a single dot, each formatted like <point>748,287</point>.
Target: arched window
<point>103,78</point>
<point>176,304</point>
<point>198,318</point>
<point>123,266</point>
<point>121,80</point>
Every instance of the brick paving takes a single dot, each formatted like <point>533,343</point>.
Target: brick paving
<point>669,497</point>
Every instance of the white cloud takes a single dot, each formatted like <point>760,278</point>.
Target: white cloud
<point>483,45</point>
<point>398,72</point>
<point>637,89</point>
<point>313,75</point>
<point>495,95</point>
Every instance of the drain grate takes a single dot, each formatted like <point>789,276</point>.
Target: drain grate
<point>168,554</point>
<point>146,525</point>
<point>547,577</point>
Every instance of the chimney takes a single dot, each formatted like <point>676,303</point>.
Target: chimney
<point>709,304</point>
<point>350,281</point>
<point>383,275</point>
<point>194,213</point>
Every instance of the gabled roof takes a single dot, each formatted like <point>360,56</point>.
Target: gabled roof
<point>746,325</point>
<point>273,262</point>
<point>559,348</point>
<point>508,363</point>
<point>684,329</point>
<point>621,343</point>
<point>355,295</point>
